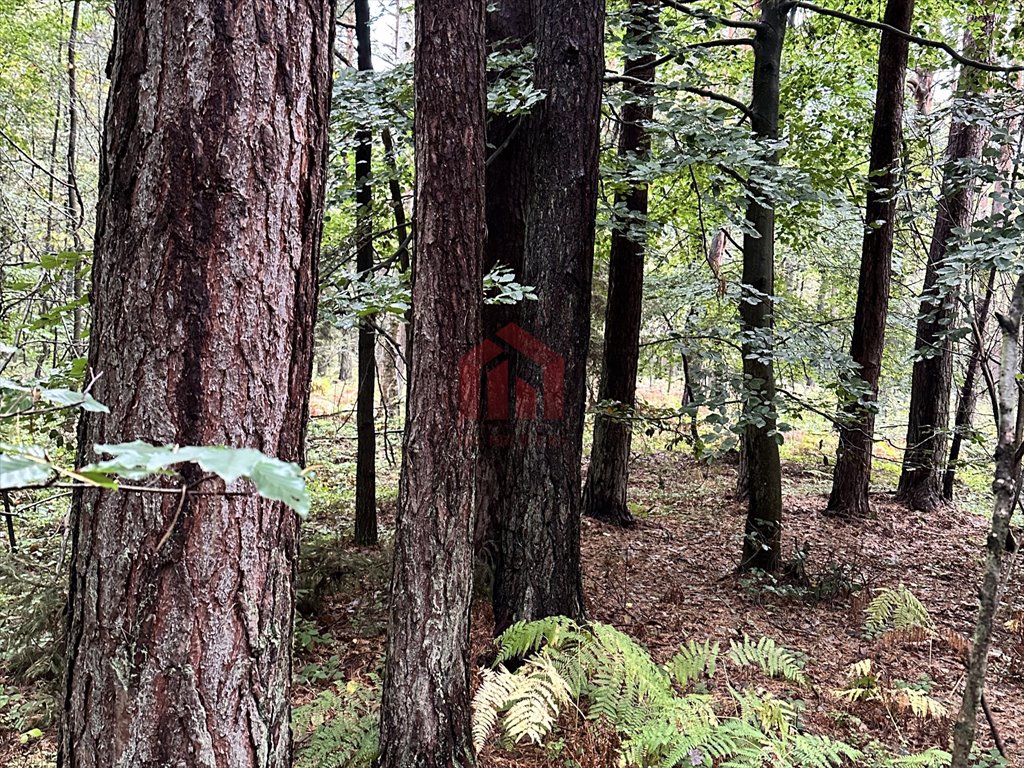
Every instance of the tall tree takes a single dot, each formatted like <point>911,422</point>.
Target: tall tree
<point>366,436</point>
<point>920,485</point>
<point>852,474</point>
<point>204,291</point>
<point>762,540</point>
<point>1007,476</point>
<point>1008,167</point>
<point>509,31</point>
<point>425,713</point>
<point>537,569</point>
<point>604,495</point>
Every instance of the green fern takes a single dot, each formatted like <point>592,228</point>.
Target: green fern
<point>693,661</point>
<point>614,679</point>
<point>897,610</point>
<point>338,729</point>
<point>773,659</point>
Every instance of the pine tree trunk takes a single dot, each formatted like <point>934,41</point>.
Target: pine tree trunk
<point>204,291</point>
<point>852,475</point>
<point>509,27</point>
<point>425,712</point>
<point>920,485</point>
<point>762,540</point>
<point>1004,489</point>
<point>604,495</point>
<point>366,434</point>
<point>537,569</point>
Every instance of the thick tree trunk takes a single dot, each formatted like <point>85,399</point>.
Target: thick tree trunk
<point>425,713</point>
<point>510,26</point>
<point>366,433</point>
<point>538,562</point>
<point>604,495</point>
<point>204,290</point>
<point>762,540</point>
<point>852,474</point>
<point>920,485</point>
<point>1004,489</point>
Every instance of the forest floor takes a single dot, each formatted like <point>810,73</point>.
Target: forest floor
<point>670,579</point>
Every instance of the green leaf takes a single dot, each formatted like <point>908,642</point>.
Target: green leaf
<point>272,478</point>
<point>23,465</point>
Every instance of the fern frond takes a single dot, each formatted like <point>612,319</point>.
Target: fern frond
<point>528,702</point>
<point>693,661</point>
<point>526,637</point>
<point>896,609</point>
<point>773,659</point>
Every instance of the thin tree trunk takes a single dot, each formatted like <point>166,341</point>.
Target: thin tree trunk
<point>537,569</point>
<point>74,202</point>
<point>852,475</point>
<point>762,540</point>
<point>366,434</point>
<point>404,245</point>
<point>604,495</point>
<point>1004,489</point>
<point>204,289</point>
<point>920,485</point>
<point>969,392</point>
<point>968,399</point>
<point>425,712</point>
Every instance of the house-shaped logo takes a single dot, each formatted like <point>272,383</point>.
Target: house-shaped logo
<point>491,383</point>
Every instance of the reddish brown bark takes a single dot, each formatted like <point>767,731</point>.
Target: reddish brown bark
<point>204,290</point>
<point>852,474</point>
<point>425,715</point>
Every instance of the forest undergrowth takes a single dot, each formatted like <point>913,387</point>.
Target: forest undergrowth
<point>669,580</point>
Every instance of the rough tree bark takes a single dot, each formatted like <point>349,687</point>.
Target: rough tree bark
<point>920,485</point>
<point>425,713</point>
<point>604,495</point>
<point>366,434</point>
<point>509,27</point>
<point>537,570</point>
<point>1004,489</point>
<point>852,474</point>
<point>204,291</point>
<point>762,540</point>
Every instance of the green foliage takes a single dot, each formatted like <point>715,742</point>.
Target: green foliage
<point>338,729</point>
<point>272,478</point>
<point>897,610</point>
<point>772,658</point>
<point>615,680</point>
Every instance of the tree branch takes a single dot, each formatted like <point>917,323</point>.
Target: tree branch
<point>928,43</point>
<point>680,5</point>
